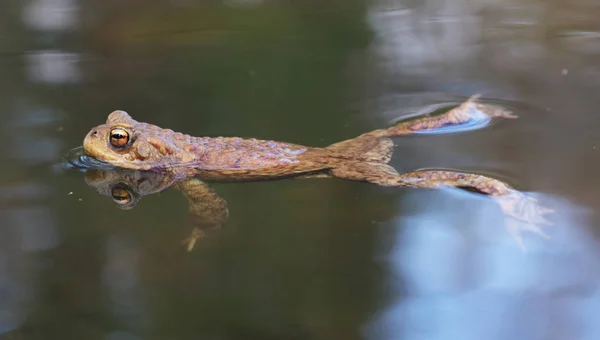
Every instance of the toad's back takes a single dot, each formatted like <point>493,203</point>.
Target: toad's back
<point>130,144</point>
<point>242,153</point>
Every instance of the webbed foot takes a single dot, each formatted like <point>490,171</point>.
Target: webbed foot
<point>490,110</point>
<point>524,213</point>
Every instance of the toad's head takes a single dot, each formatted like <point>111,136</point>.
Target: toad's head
<point>129,144</point>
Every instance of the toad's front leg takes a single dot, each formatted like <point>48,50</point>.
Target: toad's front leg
<point>207,209</point>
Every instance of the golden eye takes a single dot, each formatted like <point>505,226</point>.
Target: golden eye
<point>119,137</point>
<point>120,196</point>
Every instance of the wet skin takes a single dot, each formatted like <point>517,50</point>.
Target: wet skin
<point>185,161</point>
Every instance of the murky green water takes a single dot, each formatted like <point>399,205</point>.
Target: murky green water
<point>311,259</point>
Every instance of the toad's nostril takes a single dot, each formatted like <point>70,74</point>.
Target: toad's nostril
<point>94,133</point>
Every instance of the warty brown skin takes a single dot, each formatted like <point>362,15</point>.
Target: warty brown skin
<point>364,158</point>
<point>156,149</point>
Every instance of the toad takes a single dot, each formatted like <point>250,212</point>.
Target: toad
<point>129,144</point>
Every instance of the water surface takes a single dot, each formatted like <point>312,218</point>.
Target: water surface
<point>314,259</point>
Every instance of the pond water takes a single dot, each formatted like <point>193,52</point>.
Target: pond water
<point>310,259</point>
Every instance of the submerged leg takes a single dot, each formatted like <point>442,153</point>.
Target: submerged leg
<point>464,113</point>
<point>207,209</point>
<point>512,202</point>
<point>385,175</point>
<point>467,181</point>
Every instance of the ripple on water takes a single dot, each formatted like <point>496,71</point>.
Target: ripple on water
<point>76,159</point>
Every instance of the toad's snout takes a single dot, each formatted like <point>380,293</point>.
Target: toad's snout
<point>92,134</point>
<point>90,139</point>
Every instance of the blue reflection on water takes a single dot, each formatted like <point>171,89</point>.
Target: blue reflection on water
<point>464,277</point>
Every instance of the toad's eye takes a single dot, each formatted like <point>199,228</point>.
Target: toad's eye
<point>119,137</point>
<point>120,196</point>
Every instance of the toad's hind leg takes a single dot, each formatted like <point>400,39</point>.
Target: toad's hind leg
<point>385,175</point>
<point>465,113</point>
<point>376,146</point>
<point>512,202</point>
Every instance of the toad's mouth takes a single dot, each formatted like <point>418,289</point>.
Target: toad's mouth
<point>78,159</point>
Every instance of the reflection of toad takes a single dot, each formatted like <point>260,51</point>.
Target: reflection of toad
<point>126,187</point>
<point>126,143</point>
